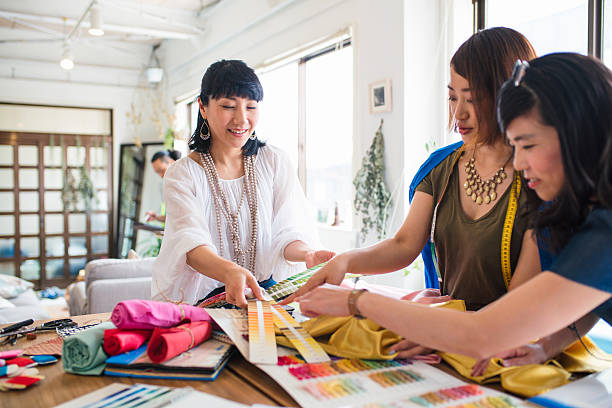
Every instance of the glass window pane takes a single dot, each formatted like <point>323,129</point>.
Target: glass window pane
<point>8,225</point>
<point>30,247</point>
<point>6,155</point>
<point>99,222</point>
<point>30,269</point>
<point>329,160</point>
<point>54,178</point>
<point>77,223</point>
<point>550,26</point>
<point>28,224</point>
<point>7,179</point>
<point>28,155</point>
<point>76,265</point>
<point>607,34</point>
<point>53,156</point>
<point>54,223</point>
<point>7,268</point>
<point>76,156</point>
<point>99,178</point>
<point>77,246</point>
<point>28,178</point>
<point>102,201</point>
<point>54,268</point>
<point>53,201</point>
<point>99,244</point>
<point>7,248</point>
<point>7,202</point>
<point>98,156</point>
<point>28,201</point>
<point>54,246</point>
<point>279,111</point>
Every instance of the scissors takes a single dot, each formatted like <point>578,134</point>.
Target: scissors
<point>11,337</point>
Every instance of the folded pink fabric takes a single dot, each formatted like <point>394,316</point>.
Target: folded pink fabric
<point>149,314</point>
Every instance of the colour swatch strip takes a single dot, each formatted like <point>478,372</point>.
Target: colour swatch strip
<point>308,347</point>
<point>447,395</point>
<point>392,378</point>
<point>489,402</point>
<point>337,388</point>
<point>262,341</point>
<point>342,366</point>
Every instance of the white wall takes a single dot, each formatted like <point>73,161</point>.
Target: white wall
<point>392,39</point>
<point>92,96</point>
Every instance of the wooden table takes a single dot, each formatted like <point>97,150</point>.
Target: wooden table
<point>58,387</point>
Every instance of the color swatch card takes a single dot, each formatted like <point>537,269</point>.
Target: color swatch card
<point>378,383</point>
<point>308,347</point>
<point>262,339</point>
<point>234,324</point>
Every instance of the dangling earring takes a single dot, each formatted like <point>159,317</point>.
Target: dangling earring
<point>205,136</point>
<point>253,136</point>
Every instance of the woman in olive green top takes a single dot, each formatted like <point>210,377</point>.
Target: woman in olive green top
<point>473,186</point>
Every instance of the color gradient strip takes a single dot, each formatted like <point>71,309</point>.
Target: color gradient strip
<point>342,366</point>
<point>262,341</point>
<point>308,347</point>
<point>337,388</point>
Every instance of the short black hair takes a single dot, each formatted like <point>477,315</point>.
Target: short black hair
<point>164,155</point>
<point>573,94</point>
<point>227,78</point>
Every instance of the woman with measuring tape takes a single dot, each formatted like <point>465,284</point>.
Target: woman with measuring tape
<point>556,112</point>
<point>468,213</point>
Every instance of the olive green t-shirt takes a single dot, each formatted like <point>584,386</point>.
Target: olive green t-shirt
<point>469,251</point>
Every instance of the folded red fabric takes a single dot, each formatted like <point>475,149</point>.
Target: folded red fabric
<point>149,314</point>
<point>168,343</point>
<point>117,341</point>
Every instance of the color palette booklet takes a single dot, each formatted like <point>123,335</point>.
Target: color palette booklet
<point>203,362</point>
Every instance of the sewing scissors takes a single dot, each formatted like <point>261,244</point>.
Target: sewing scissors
<point>11,337</point>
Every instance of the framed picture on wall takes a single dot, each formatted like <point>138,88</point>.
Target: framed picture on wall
<point>380,96</point>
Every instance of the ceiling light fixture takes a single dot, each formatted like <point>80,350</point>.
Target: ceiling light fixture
<point>67,61</point>
<point>95,20</point>
<point>154,72</point>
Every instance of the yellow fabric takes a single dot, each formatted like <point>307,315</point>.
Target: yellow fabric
<point>355,338</point>
<point>349,337</point>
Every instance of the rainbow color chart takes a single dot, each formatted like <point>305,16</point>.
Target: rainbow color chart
<point>377,384</point>
<point>262,340</point>
<point>308,347</point>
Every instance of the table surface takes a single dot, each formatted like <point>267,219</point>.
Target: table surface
<point>240,381</point>
<point>58,387</point>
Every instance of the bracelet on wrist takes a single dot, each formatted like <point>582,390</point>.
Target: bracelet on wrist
<point>352,302</point>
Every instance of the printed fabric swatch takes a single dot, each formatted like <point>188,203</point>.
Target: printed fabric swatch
<point>150,314</point>
<point>117,341</point>
<point>168,343</point>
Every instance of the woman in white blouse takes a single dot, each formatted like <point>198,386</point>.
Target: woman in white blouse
<point>236,216</point>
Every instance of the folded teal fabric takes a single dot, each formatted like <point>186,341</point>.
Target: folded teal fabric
<point>83,354</point>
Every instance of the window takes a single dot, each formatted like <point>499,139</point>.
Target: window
<point>550,26</point>
<point>41,240</point>
<point>308,112</point>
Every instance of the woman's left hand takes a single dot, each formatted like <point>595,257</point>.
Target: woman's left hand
<point>527,354</point>
<point>328,299</point>
<point>314,258</point>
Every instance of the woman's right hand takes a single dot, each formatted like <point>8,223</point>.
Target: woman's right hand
<point>237,280</point>
<point>332,273</point>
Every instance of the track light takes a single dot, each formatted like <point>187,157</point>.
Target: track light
<point>95,20</point>
<point>67,61</point>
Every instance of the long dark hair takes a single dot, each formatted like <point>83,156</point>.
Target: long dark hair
<point>573,94</point>
<point>166,155</point>
<point>485,60</point>
<point>227,78</point>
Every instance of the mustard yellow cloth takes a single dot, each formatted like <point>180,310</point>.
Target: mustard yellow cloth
<point>349,337</point>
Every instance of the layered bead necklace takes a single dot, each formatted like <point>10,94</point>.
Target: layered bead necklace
<point>483,191</point>
<point>222,206</point>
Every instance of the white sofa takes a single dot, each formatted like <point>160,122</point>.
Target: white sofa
<point>18,301</point>
<point>108,281</point>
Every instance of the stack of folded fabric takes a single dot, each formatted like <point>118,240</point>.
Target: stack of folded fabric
<point>173,329</point>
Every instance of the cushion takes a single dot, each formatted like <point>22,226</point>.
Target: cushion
<point>12,286</point>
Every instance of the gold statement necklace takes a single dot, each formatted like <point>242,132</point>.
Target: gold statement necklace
<point>479,190</point>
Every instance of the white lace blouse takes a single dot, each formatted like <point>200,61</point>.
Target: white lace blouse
<point>283,217</point>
